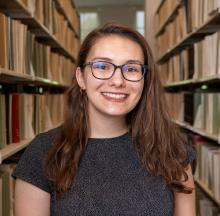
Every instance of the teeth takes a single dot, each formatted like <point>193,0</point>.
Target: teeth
<point>112,95</point>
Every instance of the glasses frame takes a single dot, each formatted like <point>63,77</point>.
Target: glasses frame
<point>144,68</point>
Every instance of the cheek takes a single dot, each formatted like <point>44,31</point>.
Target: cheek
<point>138,90</point>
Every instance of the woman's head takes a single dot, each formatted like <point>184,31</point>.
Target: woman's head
<point>118,92</point>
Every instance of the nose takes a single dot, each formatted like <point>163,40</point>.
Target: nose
<point>117,79</point>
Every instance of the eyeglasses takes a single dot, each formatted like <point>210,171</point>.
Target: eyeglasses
<point>104,70</point>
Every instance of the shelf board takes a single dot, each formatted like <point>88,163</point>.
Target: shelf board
<point>160,5</point>
<point>198,131</point>
<point>179,83</point>
<point>169,18</point>
<point>16,10</point>
<point>209,27</point>
<point>12,77</point>
<point>194,83</point>
<point>47,82</point>
<point>61,10</point>
<point>13,148</point>
<point>9,76</point>
<point>207,191</point>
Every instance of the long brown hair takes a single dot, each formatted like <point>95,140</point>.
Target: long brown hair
<point>159,143</point>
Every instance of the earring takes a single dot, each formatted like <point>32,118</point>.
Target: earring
<point>81,90</point>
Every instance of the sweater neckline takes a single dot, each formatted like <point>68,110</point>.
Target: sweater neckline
<point>110,139</point>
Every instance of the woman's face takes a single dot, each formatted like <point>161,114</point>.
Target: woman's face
<point>115,96</point>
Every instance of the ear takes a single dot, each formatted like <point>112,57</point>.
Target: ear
<point>80,78</point>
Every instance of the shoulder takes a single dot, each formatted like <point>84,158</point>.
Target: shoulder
<point>46,139</point>
<point>30,167</point>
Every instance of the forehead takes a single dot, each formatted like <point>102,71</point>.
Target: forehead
<point>116,47</point>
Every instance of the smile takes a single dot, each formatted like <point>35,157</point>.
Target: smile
<point>115,95</point>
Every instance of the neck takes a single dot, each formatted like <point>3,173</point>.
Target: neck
<point>107,126</point>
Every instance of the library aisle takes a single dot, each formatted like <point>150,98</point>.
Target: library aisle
<point>188,43</point>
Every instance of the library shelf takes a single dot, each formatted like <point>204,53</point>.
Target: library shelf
<point>197,131</point>
<point>207,191</point>
<point>192,84</point>
<point>13,148</point>
<point>209,27</point>
<point>17,10</point>
<point>9,76</point>
<point>12,77</point>
<point>39,81</point>
<point>169,18</point>
<point>62,11</point>
<point>160,5</point>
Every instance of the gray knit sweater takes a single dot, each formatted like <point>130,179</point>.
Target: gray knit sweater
<point>110,180</point>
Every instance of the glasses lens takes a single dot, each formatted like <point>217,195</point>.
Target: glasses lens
<point>102,70</point>
<point>133,72</point>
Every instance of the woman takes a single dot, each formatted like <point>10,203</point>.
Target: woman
<point>117,152</point>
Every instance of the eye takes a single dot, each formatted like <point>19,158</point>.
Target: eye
<point>132,68</point>
<point>101,66</point>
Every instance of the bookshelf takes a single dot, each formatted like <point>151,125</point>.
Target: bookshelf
<point>169,18</point>
<point>188,44</point>
<point>193,84</point>
<point>39,41</point>
<point>17,10</point>
<point>13,148</point>
<point>12,77</point>
<point>61,7</point>
<point>209,27</point>
<point>207,191</point>
<point>197,131</point>
<point>54,39</point>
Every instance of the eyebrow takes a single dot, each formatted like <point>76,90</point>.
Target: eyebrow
<point>110,60</point>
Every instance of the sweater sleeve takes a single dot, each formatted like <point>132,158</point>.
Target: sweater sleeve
<point>30,165</point>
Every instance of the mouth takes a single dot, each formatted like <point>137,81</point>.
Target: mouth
<point>120,97</point>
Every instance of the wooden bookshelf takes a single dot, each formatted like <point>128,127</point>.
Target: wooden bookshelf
<point>169,18</point>
<point>209,27</point>
<point>198,131</point>
<point>13,148</point>
<point>11,77</point>
<point>188,76</point>
<point>193,84</point>
<point>16,10</point>
<point>207,191</point>
<point>46,82</point>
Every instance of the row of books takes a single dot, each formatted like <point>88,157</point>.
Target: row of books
<point>21,52</point>
<point>207,56</point>
<point>208,163</point>
<point>164,12</point>
<point>7,185</point>
<point>47,64</point>
<point>71,13</point>
<point>17,43</point>
<point>201,110</point>
<point>24,115</point>
<point>44,11</point>
<point>185,22</point>
<point>202,60</point>
<point>199,11</point>
<point>63,33</point>
<point>204,205</point>
<point>177,68</point>
<point>174,32</point>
